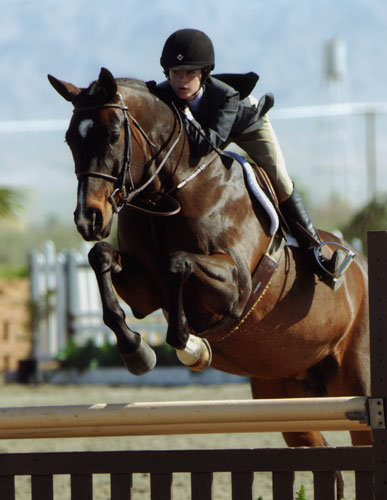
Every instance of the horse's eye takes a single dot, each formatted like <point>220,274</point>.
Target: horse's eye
<point>114,137</point>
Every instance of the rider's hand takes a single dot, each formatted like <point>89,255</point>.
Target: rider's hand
<point>188,113</point>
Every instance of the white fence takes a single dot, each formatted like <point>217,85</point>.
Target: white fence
<point>65,303</point>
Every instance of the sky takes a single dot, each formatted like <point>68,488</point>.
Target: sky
<point>282,40</point>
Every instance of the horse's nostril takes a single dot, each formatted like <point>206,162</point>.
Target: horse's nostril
<point>89,223</point>
<point>95,218</point>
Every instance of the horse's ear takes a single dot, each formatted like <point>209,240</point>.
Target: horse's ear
<point>108,83</point>
<point>66,90</point>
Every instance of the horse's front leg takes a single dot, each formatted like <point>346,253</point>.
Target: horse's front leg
<point>208,285</point>
<point>136,354</point>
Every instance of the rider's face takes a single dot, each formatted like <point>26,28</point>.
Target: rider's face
<point>186,84</point>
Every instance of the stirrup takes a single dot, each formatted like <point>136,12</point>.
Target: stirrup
<point>335,278</point>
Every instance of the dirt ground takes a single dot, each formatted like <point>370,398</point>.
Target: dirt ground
<point>14,328</point>
<point>41,395</point>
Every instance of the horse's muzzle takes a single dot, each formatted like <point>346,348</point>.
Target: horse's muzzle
<point>90,224</point>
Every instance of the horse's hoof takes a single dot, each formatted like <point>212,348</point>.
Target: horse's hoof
<point>197,354</point>
<point>141,361</point>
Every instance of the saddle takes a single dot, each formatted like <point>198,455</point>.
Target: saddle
<point>268,264</point>
<point>267,186</point>
<point>342,257</point>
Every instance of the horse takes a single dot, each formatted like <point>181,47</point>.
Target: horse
<point>190,238</point>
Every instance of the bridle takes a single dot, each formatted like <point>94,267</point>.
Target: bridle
<point>127,195</point>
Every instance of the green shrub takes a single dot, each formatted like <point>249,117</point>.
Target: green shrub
<point>372,217</point>
<point>301,495</point>
<point>7,272</point>
<point>108,355</point>
<point>166,355</point>
<point>90,355</point>
<point>79,357</point>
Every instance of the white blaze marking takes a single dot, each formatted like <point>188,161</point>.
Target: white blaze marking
<point>84,127</point>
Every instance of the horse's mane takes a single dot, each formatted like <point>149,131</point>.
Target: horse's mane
<point>134,83</point>
<point>131,82</point>
<point>147,90</point>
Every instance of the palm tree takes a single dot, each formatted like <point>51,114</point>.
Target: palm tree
<point>9,204</point>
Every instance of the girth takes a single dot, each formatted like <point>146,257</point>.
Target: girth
<point>264,271</point>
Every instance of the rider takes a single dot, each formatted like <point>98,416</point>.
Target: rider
<point>218,114</point>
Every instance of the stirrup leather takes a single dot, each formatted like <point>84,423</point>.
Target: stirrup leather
<point>344,265</point>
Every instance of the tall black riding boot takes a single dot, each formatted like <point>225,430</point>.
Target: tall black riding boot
<point>330,270</point>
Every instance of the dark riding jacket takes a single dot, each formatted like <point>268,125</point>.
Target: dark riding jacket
<point>224,113</point>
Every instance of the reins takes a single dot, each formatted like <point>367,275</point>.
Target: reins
<point>125,171</point>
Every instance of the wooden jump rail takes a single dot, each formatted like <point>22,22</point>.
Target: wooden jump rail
<point>355,413</point>
<point>191,417</point>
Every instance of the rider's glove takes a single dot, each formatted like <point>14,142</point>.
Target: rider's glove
<point>188,113</point>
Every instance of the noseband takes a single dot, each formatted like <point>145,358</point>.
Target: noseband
<point>127,195</point>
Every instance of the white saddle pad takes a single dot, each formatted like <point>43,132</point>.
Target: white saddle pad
<point>257,191</point>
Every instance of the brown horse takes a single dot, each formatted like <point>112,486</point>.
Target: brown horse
<point>300,338</point>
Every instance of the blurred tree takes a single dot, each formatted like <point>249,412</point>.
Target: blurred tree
<point>372,217</point>
<point>9,203</point>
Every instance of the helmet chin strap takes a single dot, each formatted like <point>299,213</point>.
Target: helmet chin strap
<point>205,74</point>
<point>197,94</point>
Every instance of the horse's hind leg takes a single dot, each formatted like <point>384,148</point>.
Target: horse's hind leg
<point>136,354</point>
<point>353,378</point>
<point>289,388</point>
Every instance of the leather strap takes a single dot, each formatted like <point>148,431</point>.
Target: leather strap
<point>264,271</point>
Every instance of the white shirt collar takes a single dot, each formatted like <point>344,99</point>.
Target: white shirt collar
<point>194,104</point>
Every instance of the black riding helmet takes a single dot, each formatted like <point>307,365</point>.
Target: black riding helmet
<point>187,49</point>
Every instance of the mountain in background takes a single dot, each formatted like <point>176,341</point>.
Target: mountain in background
<point>282,40</point>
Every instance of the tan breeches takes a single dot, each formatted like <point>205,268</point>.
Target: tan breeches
<point>263,148</point>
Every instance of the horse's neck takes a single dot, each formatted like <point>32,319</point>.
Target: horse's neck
<point>165,129</point>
